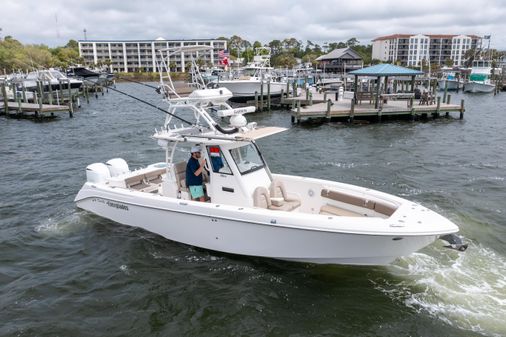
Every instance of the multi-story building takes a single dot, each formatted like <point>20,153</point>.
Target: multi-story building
<point>141,55</point>
<point>412,50</point>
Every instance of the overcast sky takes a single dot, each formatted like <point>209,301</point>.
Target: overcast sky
<point>55,22</point>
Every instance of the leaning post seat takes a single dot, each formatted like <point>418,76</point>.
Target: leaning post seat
<point>262,199</point>
<point>180,173</point>
<point>278,190</point>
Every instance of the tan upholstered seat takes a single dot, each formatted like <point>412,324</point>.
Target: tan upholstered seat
<point>155,177</point>
<point>333,210</point>
<point>261,198</point>
<point>278,190</point>
<point>180,171</point>
<point>136,182</point>
<point>384,207</point>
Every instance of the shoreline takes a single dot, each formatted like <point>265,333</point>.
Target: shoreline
<point>147,77</point>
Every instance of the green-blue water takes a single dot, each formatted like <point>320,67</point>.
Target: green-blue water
<point>66,272</point>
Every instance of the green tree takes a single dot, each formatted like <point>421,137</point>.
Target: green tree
<point>276,47</point>
<point>365,52</point>
<point>12,57</point>
<point>65,56</point>
<point>284,60</point>
<point>449,62</point>
<point>72,44</point>
<point>469,56</point>
<point>309,47</point>
<point>39,56</point>
<point>235,44</point>
<point>310,58</point>
<point>352,42</point>
<point>291,45</point>
<point>317,49</point>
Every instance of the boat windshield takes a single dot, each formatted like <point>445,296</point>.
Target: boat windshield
<point>247,158</point>
<point>32,76</point>
<point>478,77</point>
<point>249,72</point>
<point>57,74</point>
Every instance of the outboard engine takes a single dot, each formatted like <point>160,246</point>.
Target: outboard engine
<point>454,242</point>
<point>97,173</point>
<point>117,166</point>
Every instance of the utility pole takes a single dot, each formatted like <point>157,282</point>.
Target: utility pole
<point>84,31</point>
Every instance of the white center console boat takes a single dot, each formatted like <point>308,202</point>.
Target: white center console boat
<point>251,210</point>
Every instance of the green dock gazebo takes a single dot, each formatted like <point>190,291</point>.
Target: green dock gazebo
<point>384,70</point>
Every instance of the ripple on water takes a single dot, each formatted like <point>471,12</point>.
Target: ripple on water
<point>69,273</point>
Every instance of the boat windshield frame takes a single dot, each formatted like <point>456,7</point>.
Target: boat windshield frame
<point>237,161</point>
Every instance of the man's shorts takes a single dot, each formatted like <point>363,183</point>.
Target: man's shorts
<point>197,191</point>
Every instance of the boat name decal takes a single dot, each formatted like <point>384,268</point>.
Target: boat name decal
<point>117,205</point>
<point>240,110</point>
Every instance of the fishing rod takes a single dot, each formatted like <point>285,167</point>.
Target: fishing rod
<point>216,125</point>
<point>129,80</point>
<point>145,102</point>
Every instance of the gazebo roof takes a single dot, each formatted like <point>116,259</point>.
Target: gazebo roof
<point>385,69</point>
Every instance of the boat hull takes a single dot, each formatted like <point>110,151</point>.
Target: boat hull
<point>476,87</point>
<point>249,231</point>
<point>246,89</point>
<point>450,85</point>
<point>75,86</point>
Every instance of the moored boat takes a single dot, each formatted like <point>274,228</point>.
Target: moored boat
<point>254,79</point>
<point>449,81</point>
<point>50,79</point>
<point>479,79</point>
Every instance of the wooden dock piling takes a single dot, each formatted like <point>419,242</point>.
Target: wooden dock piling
<point>298,112</point>
<point>5,98</point>
<point>268,95</point>
<point>25,99</point>
<point>446,91</point>
<point>50,89</point>
<point>438,107</point>
<point>262,95</point>
<point>329,105</point>
<point>86,94</point>
<point>352,110</point>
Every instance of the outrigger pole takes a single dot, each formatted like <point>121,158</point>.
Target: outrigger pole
<point>147,103</point>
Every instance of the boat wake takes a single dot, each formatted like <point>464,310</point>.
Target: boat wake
<point>467,291</point>
<point>64,223</point>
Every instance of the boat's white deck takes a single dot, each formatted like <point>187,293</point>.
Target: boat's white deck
<point>325,200</point>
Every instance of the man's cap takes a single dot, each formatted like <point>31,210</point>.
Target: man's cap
<point>195,148</point>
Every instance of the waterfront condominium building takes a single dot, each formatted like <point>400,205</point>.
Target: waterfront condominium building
<point>410,50</point>
<point>141,55</point>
